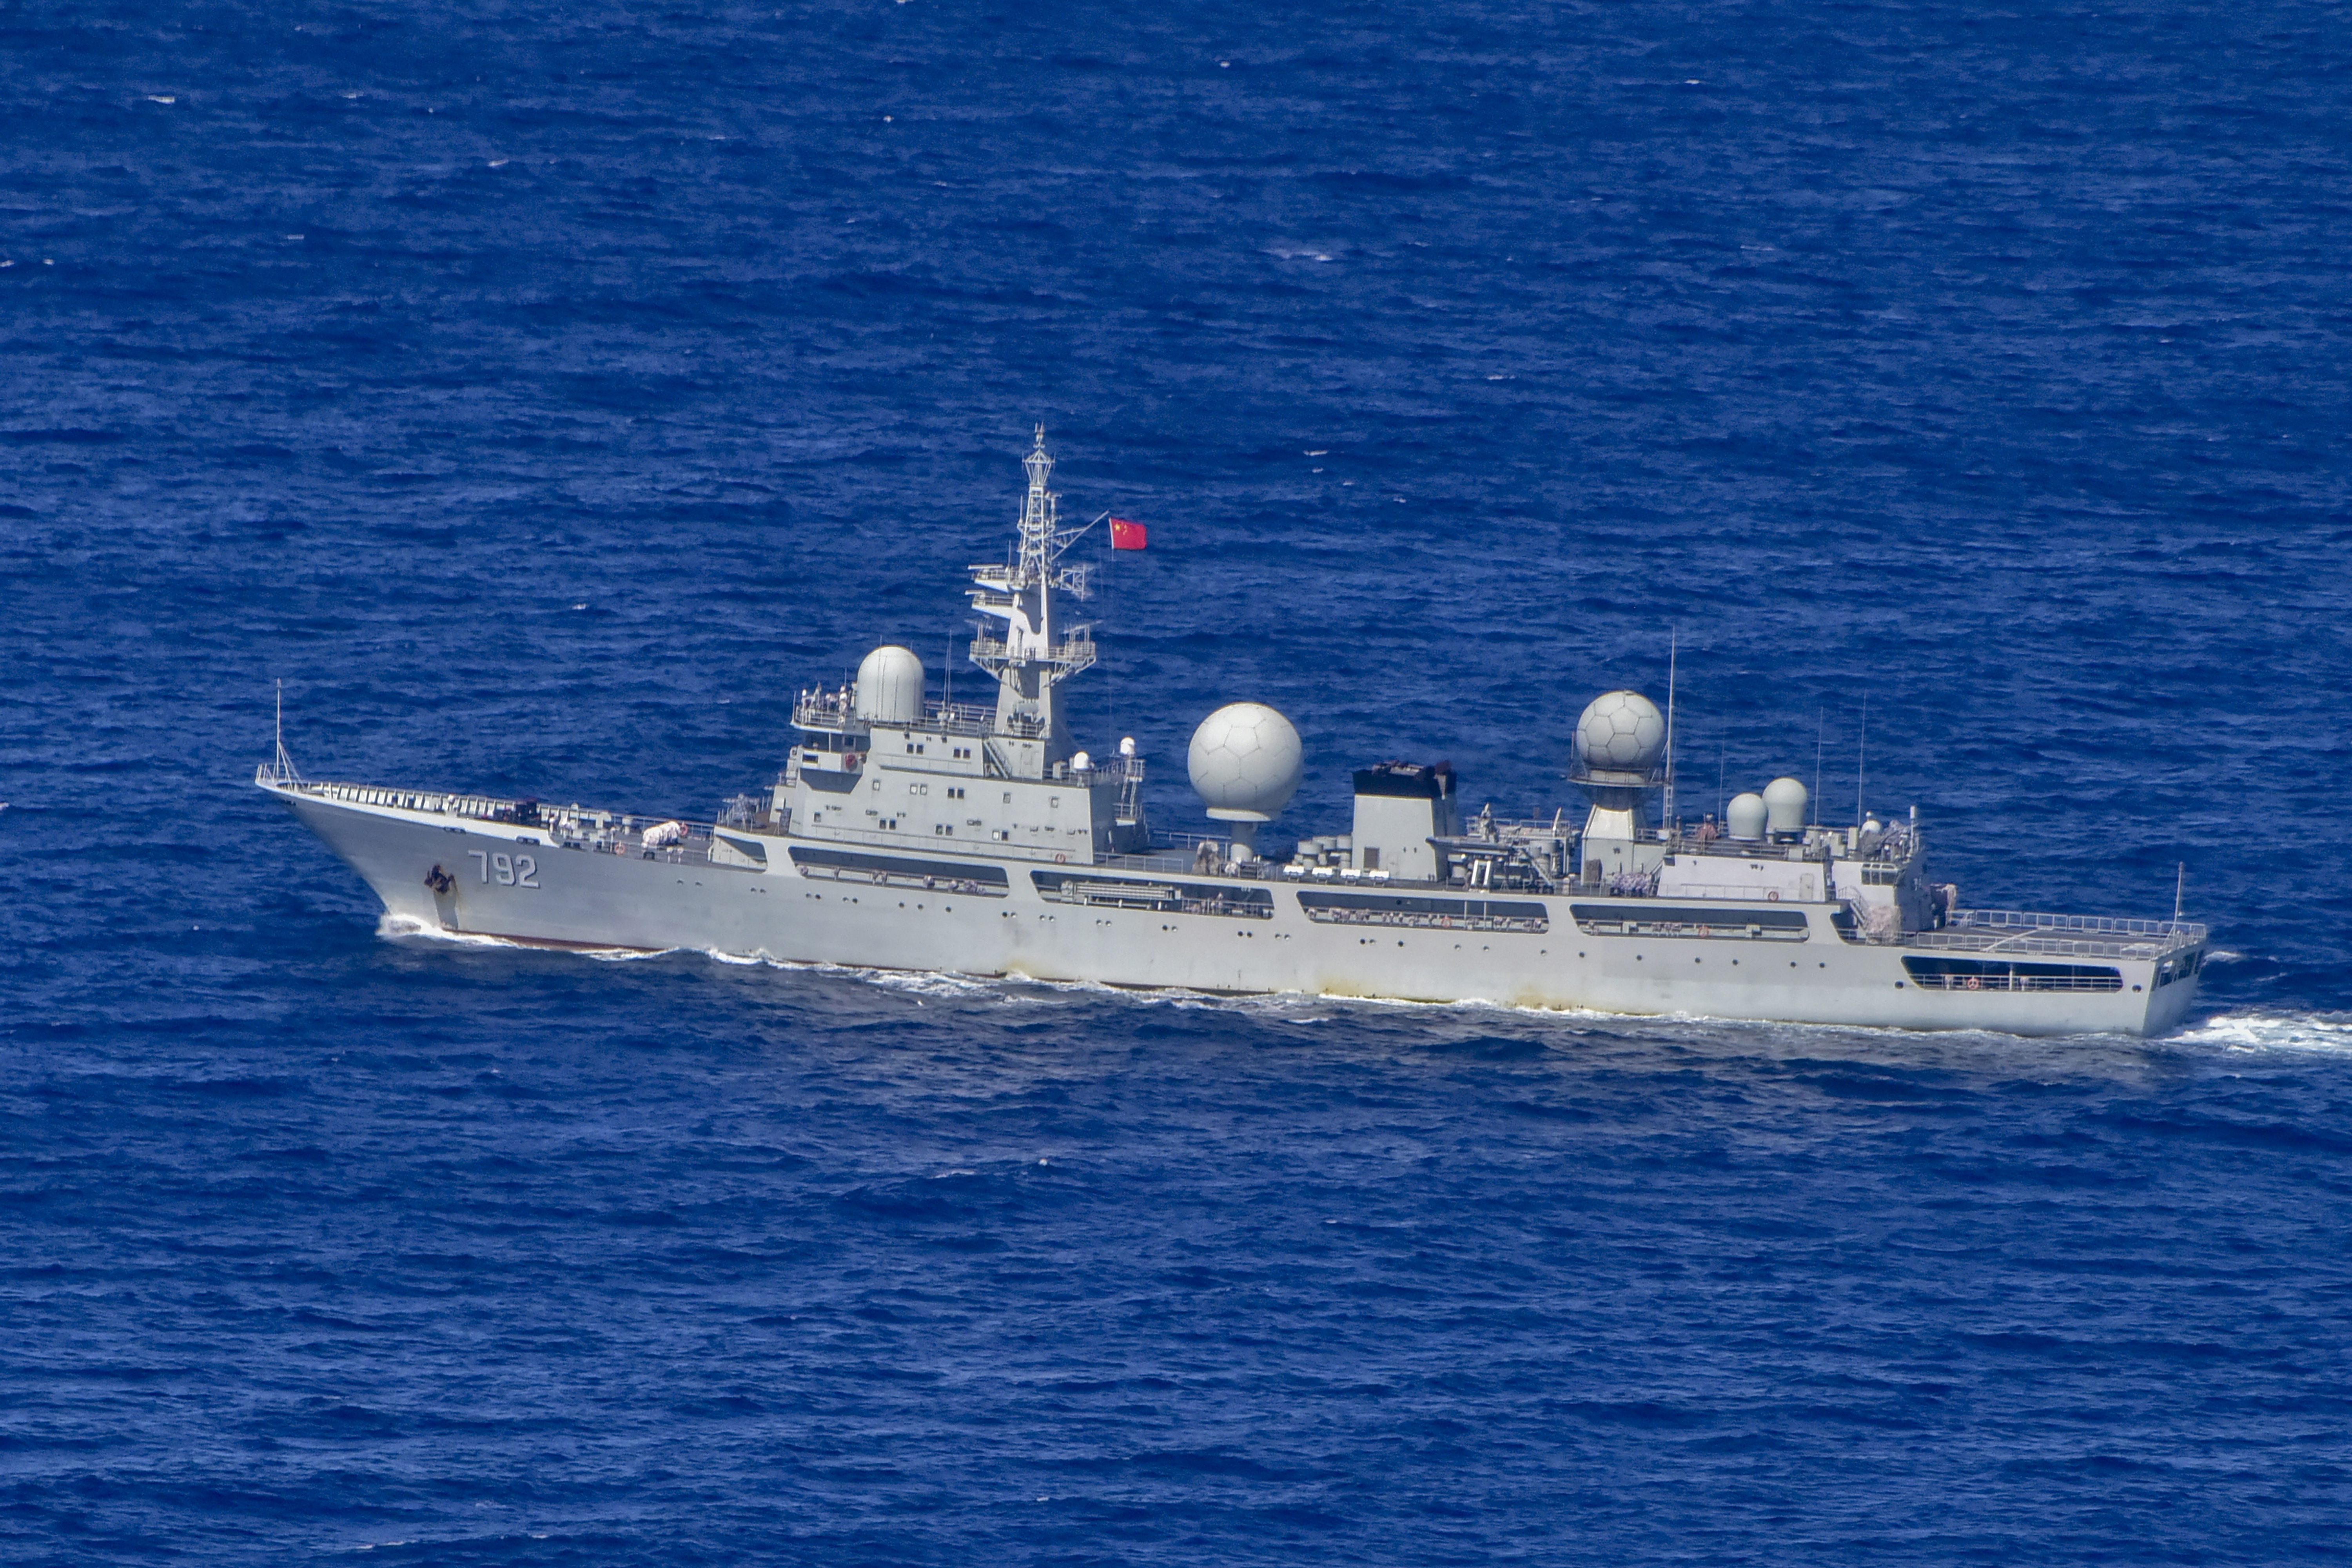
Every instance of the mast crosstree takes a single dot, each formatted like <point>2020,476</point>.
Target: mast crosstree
<point>1028,652</point>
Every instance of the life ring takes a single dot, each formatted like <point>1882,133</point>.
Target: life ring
<point>1973,983</point>
<point>1061,860</point>
<point>1772,897</point>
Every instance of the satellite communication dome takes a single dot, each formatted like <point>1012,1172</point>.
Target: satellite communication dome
<point>1785,799</point>
<point>1744,818</point>
<point>1620,732</point>
<point>890,686</point>
<point>1245,762</point>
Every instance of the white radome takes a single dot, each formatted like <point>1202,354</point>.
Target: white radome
<point>891,685</point>
<point>1245,762</point>
<point>1622,732</point>
<point>1786,800</point>
<point>1745,817</point>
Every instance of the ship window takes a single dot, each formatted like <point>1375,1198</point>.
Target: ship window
<point>1054,801</point>
<point>1995,975</point>
<point>1008,797</point>
<point>1645,919</point>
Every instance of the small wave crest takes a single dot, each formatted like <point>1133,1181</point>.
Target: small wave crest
<point>2330,1033</point>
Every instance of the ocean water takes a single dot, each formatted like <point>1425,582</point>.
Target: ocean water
<point>544,393</point>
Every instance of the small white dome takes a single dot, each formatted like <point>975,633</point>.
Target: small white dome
<point>1081,763</point>
<point>1785,801</point>
<point>1245,762</point>
<point>1744,818</point>
<point>1620,732</point>
<point>890,686</point>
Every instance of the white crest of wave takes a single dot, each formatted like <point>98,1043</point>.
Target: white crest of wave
<point>2327,1033</point>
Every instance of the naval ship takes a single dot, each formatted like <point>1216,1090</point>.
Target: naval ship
<point>911,833</point>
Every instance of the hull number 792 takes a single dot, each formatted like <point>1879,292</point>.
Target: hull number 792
<point>513,871</point>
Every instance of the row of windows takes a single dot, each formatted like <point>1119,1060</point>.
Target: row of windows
<point>959,792</point>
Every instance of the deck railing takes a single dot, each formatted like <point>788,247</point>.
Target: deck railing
<point>2060,936</point>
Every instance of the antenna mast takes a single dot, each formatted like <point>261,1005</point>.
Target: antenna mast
<point>1861,756</point>
<point>1821,735</point>
<point>1674,644</point>
<point>1032,653</point>
<point>281,766</point>
<point>2180,886</point>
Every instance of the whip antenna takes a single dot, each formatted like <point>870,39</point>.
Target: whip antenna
<point>281,765</point>
<point>1674,644</point>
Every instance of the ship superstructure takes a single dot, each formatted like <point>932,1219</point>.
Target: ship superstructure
<point>880,763</point>
<point>910,831</point>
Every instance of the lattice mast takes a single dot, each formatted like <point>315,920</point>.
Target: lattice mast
<point>1029,655</point>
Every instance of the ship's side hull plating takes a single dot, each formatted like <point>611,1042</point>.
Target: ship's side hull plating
<point>499,880</point>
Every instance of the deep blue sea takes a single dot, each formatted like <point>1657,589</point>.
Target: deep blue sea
<point>544,394</point>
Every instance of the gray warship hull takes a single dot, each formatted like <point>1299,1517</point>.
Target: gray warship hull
<point>469,865</point>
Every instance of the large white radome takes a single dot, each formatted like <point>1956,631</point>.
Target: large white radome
<point>1620,732</point>
<point>891,685</point>
<point>1245,762</point>
<point>1786,800</point>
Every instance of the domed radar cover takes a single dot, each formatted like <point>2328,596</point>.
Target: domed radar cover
<point>1746,816</point>
<point>890,686</point>
<point>1622,732</point>
<point>1245,762</point>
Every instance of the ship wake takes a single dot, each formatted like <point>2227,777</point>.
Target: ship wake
<point>2250,1030</point>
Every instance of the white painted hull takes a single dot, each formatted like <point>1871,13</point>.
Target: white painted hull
<point>602,899</point>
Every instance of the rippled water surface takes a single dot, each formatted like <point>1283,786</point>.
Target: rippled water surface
<point>544,393</point>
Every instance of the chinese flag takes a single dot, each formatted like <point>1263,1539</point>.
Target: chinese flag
<point>1125,535</point>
